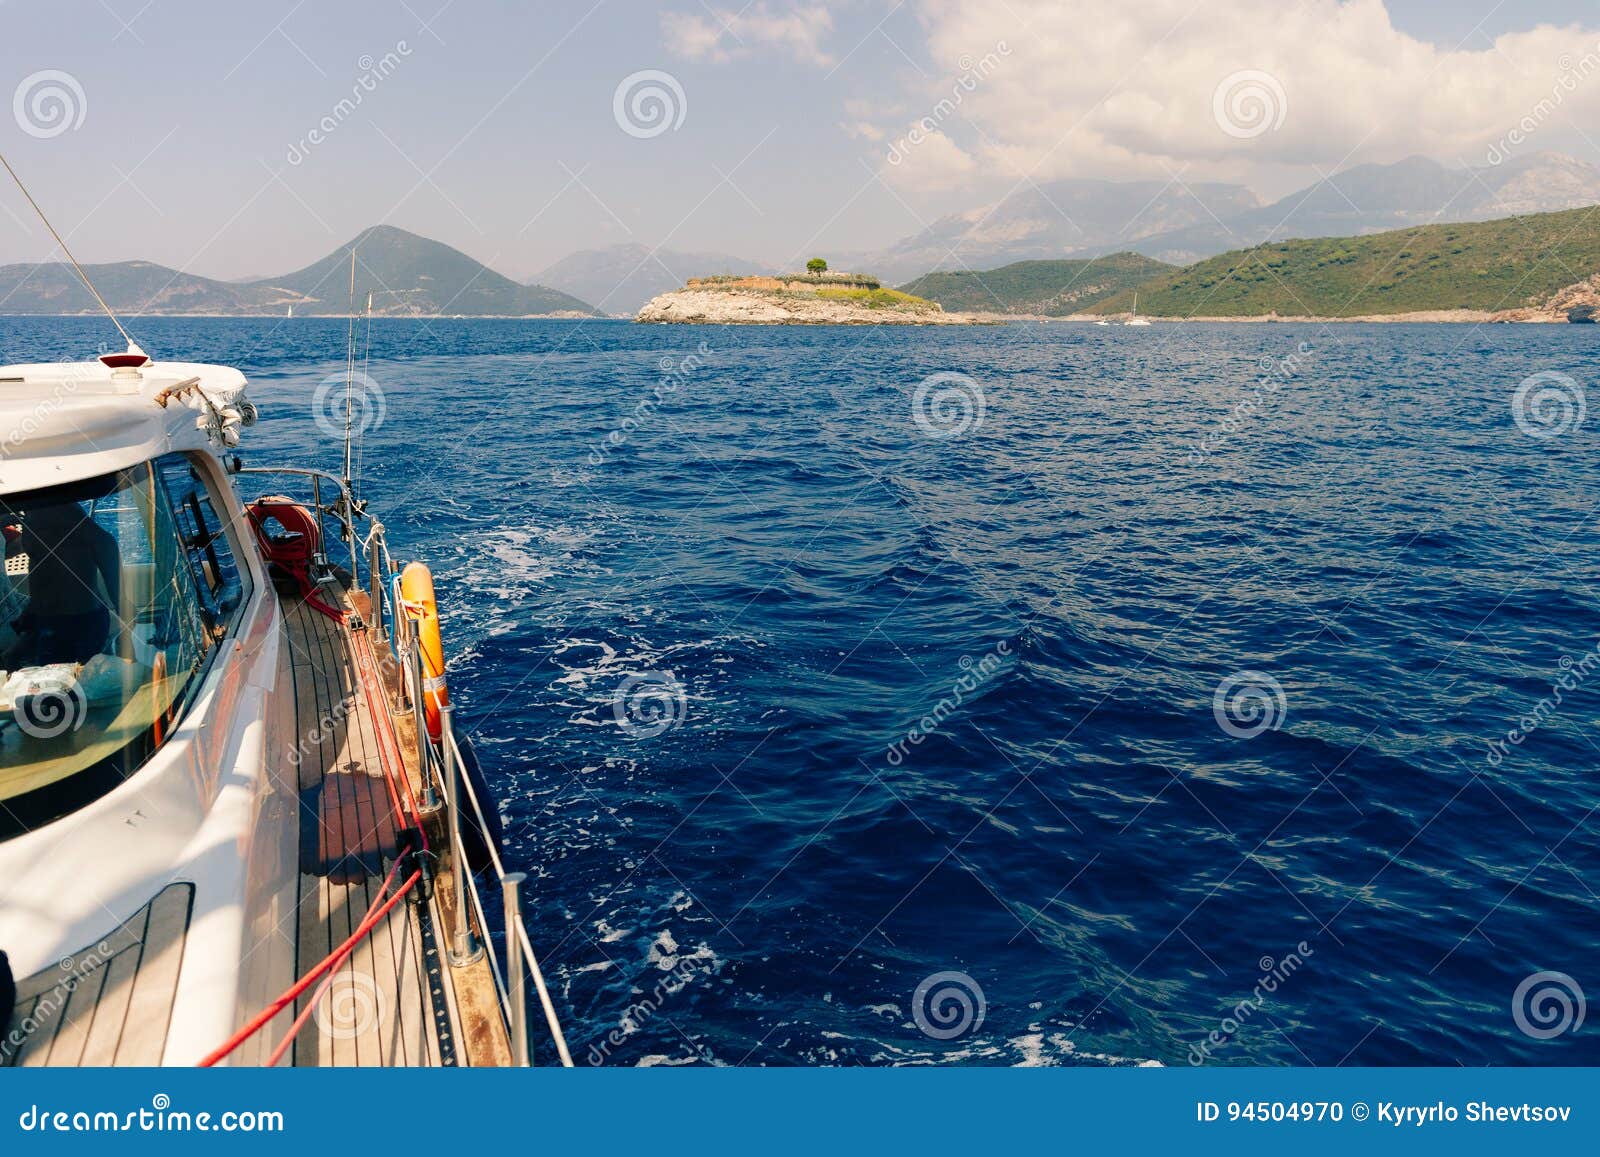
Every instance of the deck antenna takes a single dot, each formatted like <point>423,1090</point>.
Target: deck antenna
<point>133,346</point>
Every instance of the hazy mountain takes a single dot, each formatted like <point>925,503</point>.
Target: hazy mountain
<point>1049,288</point>
<point>131,287</point>
<point>1068,218</point>
<point>1080,218</point>
<point>407,275</point>
<point>1377,198</point>
<point>621,278</point>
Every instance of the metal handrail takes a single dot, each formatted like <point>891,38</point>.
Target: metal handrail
<point>521,962</point>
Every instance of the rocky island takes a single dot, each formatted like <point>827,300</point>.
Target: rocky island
<point>815,297</point>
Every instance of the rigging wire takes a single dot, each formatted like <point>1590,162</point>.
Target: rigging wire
<point>366,379</point>
<point>133,346</point>
<point>349,369</point>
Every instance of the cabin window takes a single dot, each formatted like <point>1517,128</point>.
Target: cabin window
<point>218,580</point>
<point>117,591</point>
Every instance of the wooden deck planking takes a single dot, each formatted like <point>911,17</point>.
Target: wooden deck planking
<point>351,847</point>
<point>111,1003</point>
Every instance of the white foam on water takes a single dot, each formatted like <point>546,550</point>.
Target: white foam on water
<point>664,952</point>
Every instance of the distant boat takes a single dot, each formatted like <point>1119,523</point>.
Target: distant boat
<point>1136,319</point>
<point>1102,322</point>
<point>290,313</point>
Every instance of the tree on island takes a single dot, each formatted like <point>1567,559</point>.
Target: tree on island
<point>816,265</point>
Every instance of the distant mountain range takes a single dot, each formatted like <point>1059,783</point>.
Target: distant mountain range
<point>1072,218</point>
<point>1540,264</point>
<point>1046,288</point>
<point>621,278</point>
<point>407,275</point>
<point>1183,224</point>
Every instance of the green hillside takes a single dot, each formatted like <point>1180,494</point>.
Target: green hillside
<point>1049,288</point>
<point>1489,265</point>
<point>408,274</point>
<point>131,287</point>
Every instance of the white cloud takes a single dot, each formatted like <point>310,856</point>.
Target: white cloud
<point>862,130</point>
<point>933,159</point>
<point>1112,88</point>
<point>721,34</point>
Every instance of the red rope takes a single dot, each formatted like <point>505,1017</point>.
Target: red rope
<point>388,748</point>
<point>332,960</point>
<point>388,745</point>
<point>369,923</point>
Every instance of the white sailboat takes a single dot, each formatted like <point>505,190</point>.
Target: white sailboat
<point>1136,319</point>
<point>236,823</point>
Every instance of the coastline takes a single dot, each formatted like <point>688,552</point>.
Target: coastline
<point>570,315</point>
<point>797,299</point>
<point>1414,317</point>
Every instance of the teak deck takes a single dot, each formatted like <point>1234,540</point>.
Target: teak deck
<point>396,1001</point>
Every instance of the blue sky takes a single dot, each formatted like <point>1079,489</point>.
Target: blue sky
<point>495,128</point>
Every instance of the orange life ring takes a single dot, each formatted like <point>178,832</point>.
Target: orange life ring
<point>416,590</point>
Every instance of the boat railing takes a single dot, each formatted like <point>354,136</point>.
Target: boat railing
<point>441,766</point>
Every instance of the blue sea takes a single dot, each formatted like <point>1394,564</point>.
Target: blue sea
<point>1034,694</point>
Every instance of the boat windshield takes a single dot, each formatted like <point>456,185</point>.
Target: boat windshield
<point>116,592</point>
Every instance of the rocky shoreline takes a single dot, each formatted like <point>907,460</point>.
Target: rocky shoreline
<point>722,307</point>
<point>1417,317</point>
<point>821,299</point>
